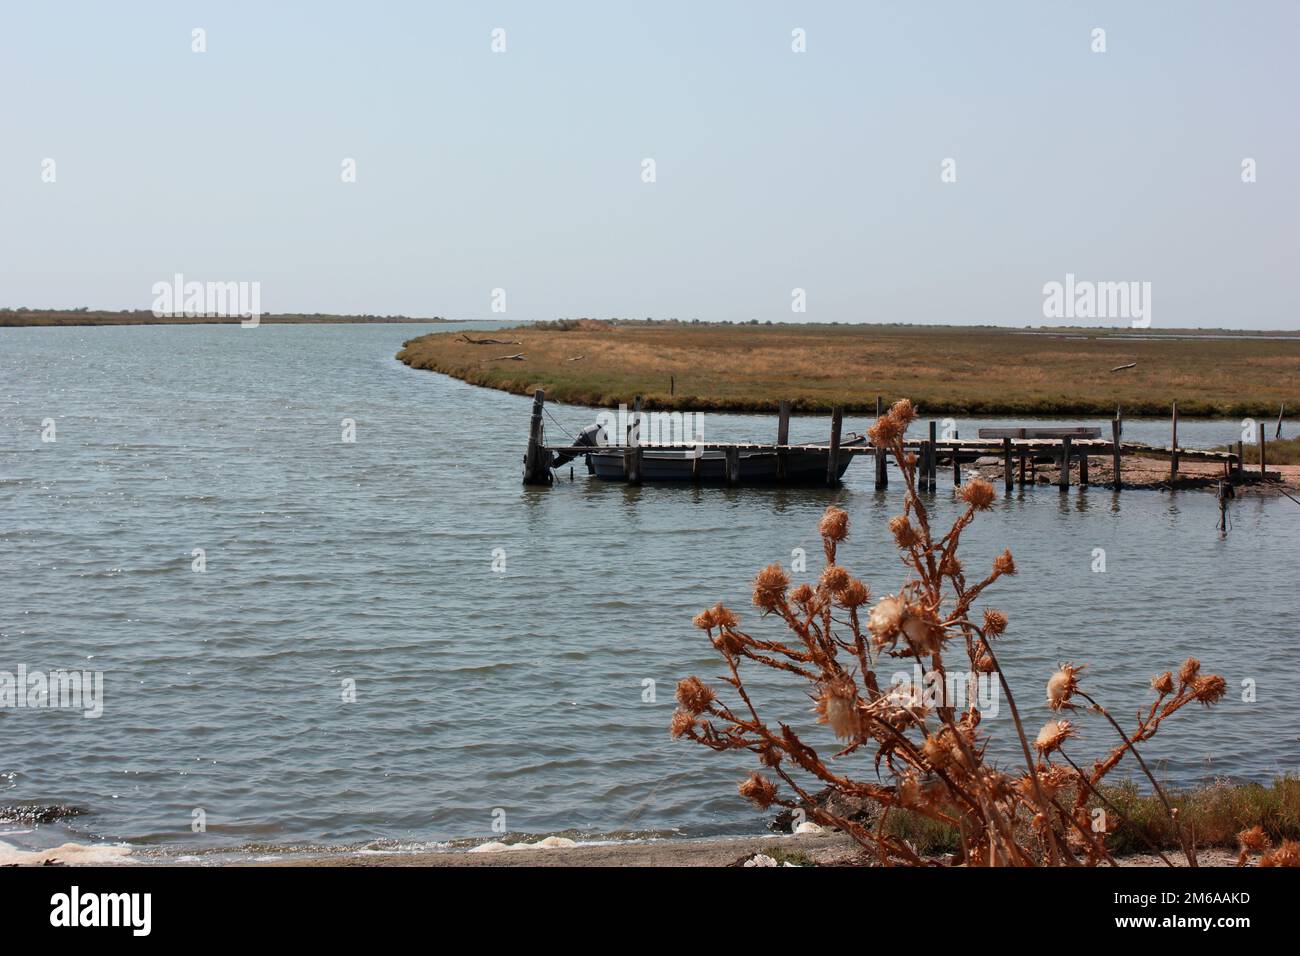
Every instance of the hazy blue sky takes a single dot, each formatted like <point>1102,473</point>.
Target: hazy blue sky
<point>775,170</point>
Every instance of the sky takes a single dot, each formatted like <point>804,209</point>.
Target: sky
<point>774,170</point>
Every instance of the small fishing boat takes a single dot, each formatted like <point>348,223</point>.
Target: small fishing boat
<point>760,465</point>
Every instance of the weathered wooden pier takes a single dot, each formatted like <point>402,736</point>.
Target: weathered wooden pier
<point>1020,450</point>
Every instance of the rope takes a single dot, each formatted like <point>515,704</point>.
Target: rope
<point>557,423</point>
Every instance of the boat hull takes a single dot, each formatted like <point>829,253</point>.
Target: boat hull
<point>756,468</point>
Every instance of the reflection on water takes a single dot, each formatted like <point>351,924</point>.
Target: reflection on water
<point>522,688</point>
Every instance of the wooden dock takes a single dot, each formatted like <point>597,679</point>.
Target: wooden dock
<point>1018,454</point>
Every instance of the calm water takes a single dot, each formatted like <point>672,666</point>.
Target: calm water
<point>478,690</point>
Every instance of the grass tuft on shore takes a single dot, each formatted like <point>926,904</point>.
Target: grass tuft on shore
<point>1214,814</point>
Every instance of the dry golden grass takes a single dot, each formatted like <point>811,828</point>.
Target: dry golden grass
<point>944,369</point>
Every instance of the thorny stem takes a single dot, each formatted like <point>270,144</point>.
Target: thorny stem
<point>1188,848</point>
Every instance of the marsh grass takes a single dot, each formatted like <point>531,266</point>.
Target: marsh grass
<point>943,369</point>
<point>1283,452</point>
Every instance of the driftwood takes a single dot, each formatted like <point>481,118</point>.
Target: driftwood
<point>466,338</point>
<point>517,357</point>
<point>1120,368</point>
<point>576,358</point>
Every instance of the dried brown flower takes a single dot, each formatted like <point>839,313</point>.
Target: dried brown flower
<point>1062,686</point>
<point>838,706</point>
<point>1163,683</point>
<point>694,695</point>
<point>834,524</point>
<point>758,790</point>
<point>1209,690</point>
<point>1053,734</point>
<point>905,535</point>
<point>1004,563</point>
<point>1288,854</point>
<point>834,579</point>
<point>995,622</point>
<point>1254,839</point>
<point>855,594</point>
<point>979,494</point>
<point>683,723</point>
<point>886,619</point>
<point>1187,673</point>
<point>769,587</point>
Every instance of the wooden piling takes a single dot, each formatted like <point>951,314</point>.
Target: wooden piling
<point>782,438</point>
<point>537,460</point>
<point>1280,412</point>
<point>1064,481</point>
<point>634,423</point>
<point>833,458</point>
<point>733,466</point>
<point>882,474</point>
<point>956,463</point>
<point>1006,464</point>
<point>1022,469</point>
<point>1083,468</point>
<point>932,477</point>
<point>1241,460</point>
<point>1173,446</point>
<point>1263,468</point>
<point>1116,453</point>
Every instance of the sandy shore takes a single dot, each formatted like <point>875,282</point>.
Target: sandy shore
<point>829,849</point>
<point>1153,474</point>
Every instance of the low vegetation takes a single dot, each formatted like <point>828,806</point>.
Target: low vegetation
<point>991,371</point>
<point>1285,451</point>
<point>1216,815</point>
<point>73,317</point>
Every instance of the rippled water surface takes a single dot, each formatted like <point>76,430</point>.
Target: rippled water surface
<point>523,690</point>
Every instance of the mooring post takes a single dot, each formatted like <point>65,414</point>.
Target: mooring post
<point>1022,469</point>
<point>956,461</point>
<point>1241,461</point>
<point>634,423</point>
<point>537,466</point>
<point>1006,464</point>
<point>733,466</point>
<point>833,459</point>
<point>1083,467</point>
<point>632,464</point>
<point>782,438</point>
<point>933,477</point>
<point>1280,412</point>
<point>882,476</point>
<point>1064,481</point>
<point>1173,447</point>
<point>1262,466</point>
<point>1115,451</point>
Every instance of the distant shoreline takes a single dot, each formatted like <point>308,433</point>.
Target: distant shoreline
<point>53,318</point>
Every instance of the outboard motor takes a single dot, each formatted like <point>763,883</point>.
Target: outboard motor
<point>590,437</point>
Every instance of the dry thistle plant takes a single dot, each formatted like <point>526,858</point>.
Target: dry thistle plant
<point>928,755</point>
